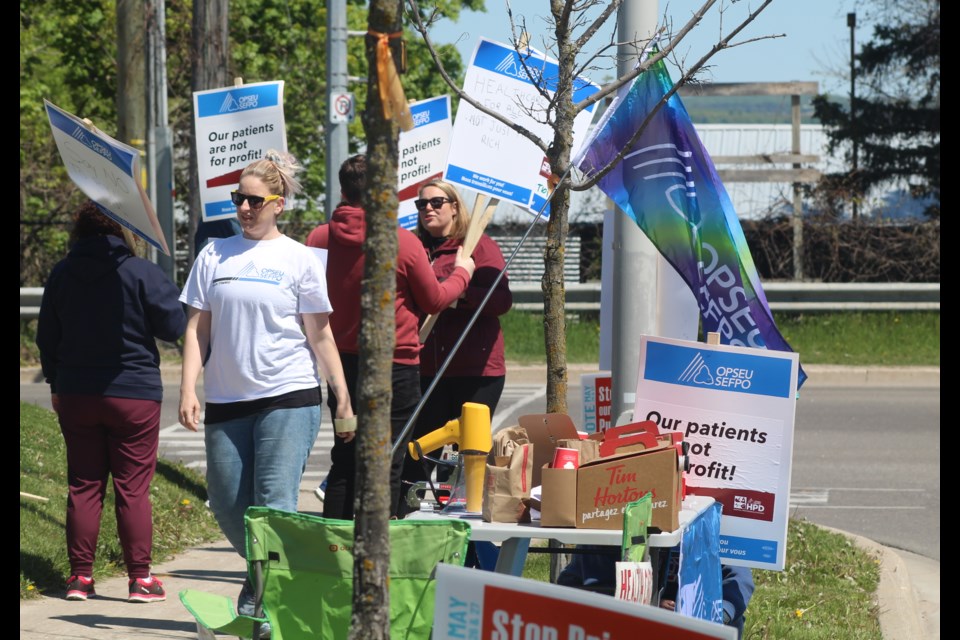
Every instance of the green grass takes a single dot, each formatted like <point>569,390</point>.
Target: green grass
<point>825,591</point>
<point>853,338</point>
<point>523,337</point>
<point>180,519</point>
<point>879,338</point>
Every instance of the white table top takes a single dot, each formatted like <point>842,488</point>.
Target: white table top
<point>500,531</point>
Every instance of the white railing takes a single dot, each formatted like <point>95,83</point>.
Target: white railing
<point>782,296</point>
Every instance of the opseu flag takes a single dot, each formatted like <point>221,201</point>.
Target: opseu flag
<point>668,184</point>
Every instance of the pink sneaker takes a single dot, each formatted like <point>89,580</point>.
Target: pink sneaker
<point>146,590</point>
<point>80,588</point>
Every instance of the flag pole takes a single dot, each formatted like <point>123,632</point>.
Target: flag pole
<point>635,258</point>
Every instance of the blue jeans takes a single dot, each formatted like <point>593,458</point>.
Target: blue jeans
<point>257,460</point>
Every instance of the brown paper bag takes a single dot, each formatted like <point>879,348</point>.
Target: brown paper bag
<point>589,450</point>
<point>509,476</point>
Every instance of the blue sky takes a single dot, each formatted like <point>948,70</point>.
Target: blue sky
<point>815,46</point>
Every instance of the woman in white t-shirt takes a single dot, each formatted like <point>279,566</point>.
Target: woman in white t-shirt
<point>258,307</point>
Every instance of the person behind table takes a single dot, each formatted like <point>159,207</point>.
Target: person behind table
<point>477,371</point>
<point>598,571</point>
<point>102,311</point>
<point>259,300</point>
<point>418,292</point>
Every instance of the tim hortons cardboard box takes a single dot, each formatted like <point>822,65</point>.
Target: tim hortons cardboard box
<point>595,495</point>
<point>606,486</point>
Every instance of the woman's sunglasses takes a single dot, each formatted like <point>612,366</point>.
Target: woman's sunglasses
<point>256,202</point>
<point>435,203</point>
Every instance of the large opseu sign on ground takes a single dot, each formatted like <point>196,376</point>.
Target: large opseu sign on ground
<point>423,153</point>
<point>234,126</point>
<point>487,155</point>
<point>108,172</point>
<point>482,605</point>
<point>736,407</point>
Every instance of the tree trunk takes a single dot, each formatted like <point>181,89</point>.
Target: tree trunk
<point>209,63</point>
<point>553,286</point>
<point>371,554</point>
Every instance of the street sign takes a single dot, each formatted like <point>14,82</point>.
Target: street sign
<point>341,108</point>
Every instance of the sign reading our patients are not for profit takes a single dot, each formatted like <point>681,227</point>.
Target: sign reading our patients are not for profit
<point>235,126</point>
<point>484,605</point>
<point>423,153</point>
<point>487,155</point>
<point>736,408</point>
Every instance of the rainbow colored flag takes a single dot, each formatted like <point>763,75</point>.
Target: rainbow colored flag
<point>668,184</point>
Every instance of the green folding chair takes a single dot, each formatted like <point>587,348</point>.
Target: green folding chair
<point>303,567</point>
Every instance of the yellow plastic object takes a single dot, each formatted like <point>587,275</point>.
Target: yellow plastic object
<point>471,434</point>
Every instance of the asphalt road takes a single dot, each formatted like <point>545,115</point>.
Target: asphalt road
<point>866,459</point>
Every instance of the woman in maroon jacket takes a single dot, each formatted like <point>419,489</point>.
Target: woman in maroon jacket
<point>477,371</point>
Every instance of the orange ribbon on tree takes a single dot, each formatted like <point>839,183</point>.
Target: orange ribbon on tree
<point>391,90</point>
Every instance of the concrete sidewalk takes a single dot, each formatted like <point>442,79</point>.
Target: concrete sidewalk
<point>908,598</point>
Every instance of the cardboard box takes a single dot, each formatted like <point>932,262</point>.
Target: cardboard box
<point>595,495</point>
<point>544,431</point>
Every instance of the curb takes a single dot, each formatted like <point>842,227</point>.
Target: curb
<point>899,613</point>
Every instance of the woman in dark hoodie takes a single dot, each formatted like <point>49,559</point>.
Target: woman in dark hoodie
<point>102,311</point>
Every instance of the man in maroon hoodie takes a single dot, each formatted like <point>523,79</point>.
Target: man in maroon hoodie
<point>418,293</point>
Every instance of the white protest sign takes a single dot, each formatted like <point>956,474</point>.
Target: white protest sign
<point>235,126</point>
<point>736,407</point>
<point>108,172</point>
<point>487,155</point>
<point>482,604</point>
<point>423,153</point>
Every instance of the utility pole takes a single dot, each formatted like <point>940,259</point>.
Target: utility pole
<point>209,69</point>
<point>131,91</point>
<point>159,136</point>
<point>635,259</point>
<point>336,125</point>
<point>854,161</point>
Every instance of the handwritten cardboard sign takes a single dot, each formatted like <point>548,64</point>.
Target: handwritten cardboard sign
<point>487,155</point>
<point>108,172</point>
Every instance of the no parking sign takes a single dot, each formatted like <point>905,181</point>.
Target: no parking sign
<point>341,108</point>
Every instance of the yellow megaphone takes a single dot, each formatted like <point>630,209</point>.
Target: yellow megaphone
<point>471,433</point>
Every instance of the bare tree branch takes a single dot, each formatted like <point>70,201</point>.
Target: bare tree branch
<point>422,30</point>
<point>719,46</point>
<point>585,37</point>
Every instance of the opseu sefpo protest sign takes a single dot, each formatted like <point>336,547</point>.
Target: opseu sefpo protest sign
<point>487,155</point>
<point>423,153</point>
<point>474,605</point>
<point>235,126</point>
<point>108,172</point>
<point>736,408</point>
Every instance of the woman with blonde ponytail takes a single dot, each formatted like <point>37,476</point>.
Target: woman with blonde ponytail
<point>259,301</point>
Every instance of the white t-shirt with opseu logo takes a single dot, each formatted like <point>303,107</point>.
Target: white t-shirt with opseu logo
<point>256,291</point>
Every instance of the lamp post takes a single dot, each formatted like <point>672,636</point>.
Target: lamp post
<point>852,23</point>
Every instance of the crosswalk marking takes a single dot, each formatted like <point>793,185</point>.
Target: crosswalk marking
<point>182,445</point>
